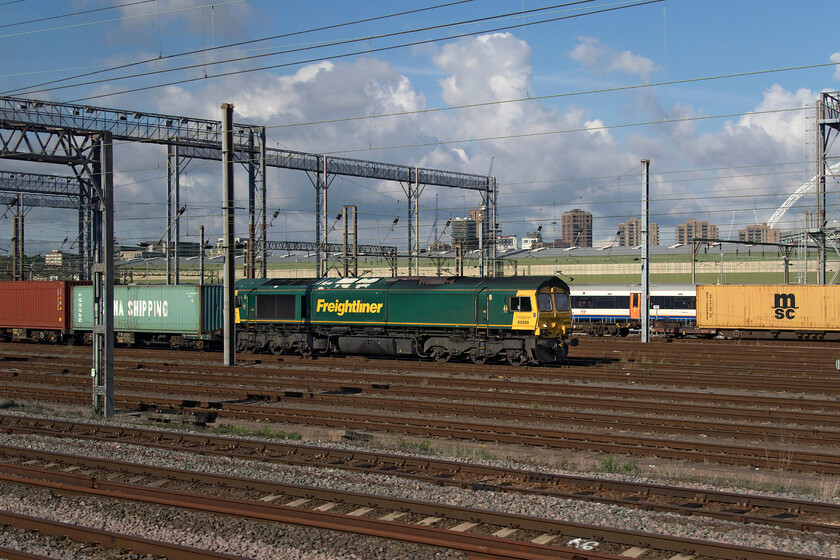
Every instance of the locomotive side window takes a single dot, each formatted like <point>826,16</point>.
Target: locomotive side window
<point>520,303</point>
<point>277,306</point>
<point>561,302</point>
<point>544,302</point>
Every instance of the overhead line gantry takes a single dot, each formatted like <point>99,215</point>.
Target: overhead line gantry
<point>82,137</point>
<point>188,137</point>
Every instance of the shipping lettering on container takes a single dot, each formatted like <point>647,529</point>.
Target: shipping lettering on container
<point>785,306</point>
<point>141,308</point>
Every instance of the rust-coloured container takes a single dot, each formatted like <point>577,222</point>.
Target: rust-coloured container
<point>783,307</point>
<point>42,305</point>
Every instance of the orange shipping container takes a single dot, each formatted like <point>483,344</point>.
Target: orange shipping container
<point>35,305</point>
<point>772,307</point>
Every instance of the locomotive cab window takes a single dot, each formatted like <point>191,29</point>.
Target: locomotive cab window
<point>520,303</point>
<point>561,302</point>
<point>544,302</point>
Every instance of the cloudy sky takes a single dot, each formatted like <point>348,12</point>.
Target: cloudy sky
<point>562,101</point>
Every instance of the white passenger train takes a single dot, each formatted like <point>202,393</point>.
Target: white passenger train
<point>614,309</point>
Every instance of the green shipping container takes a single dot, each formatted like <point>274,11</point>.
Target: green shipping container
<point>183,309</point>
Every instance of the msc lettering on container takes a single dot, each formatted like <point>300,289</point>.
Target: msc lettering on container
<point>785,306</point>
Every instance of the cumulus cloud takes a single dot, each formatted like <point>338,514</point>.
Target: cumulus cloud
<point>773,134</point>
<point>596,126</point>
<point>765,141</point>
<point>537,160</point>
<point>598,58</point>
<point>485,68</point>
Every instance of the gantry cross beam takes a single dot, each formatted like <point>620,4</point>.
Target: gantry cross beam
<point>48,191</point>
<point>202,139</point>
<point>90,155</point>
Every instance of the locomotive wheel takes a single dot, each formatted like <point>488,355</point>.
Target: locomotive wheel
<point>477,357</point>
<point>440,354</point>
<point>516,358</point>
<point>275,348</point>
<point>563,352</point>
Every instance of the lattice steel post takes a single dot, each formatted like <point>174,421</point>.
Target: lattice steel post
<point>263,249</point>
<point>102,237</point>
<point>230,253</point>
<point>351,232</point>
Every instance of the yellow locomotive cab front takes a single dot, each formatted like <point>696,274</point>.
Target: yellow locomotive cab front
<point>554,314</point>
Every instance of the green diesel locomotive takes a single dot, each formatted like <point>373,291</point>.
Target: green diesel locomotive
<point>524,319</point>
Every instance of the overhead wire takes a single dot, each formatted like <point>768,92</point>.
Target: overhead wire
<point>614,126</point>
<point>78,13</point>
<point>605,90</point>
<point>124,18</point>
<point>317,46</point>
<point>242,43</point>
<point>366,51</point>
<point>562,95</point>
<point>567,131</point>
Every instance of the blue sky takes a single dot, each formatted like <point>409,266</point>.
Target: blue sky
<point>567,134</point>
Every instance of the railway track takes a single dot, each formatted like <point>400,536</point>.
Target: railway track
<point>628,406</point>
<point>766,431</point>
<point>761,358</point>
<point>86,536</point>
<point>470,530</point>
<point>804,448</point>
<point>274,385</point>
<point>735,507</point>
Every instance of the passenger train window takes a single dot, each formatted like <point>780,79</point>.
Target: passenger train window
<point>673,302</point>
<point>684,302</point>
<point>520,303</point>
<point>561,302</point>
<point>544,302</point>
